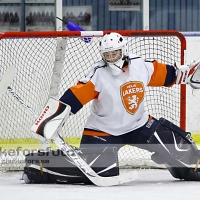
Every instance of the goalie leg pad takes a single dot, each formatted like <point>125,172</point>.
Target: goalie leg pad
<point>51,120</point>
<point>54,167</point>
<point>176,149</point>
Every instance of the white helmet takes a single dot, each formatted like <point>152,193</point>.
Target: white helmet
<point>114,51</point>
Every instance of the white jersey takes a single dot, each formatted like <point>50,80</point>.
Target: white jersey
<point>120,104</point>
<point>118,101</point>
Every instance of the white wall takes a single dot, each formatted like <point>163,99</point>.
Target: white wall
<point>193,97</point>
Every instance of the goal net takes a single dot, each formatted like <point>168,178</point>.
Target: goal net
<point>47,63</point>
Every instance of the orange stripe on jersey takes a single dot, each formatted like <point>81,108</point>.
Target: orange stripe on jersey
<point>159,75</point>
<point>150,117</point>
<point>84,92</point>
<point>90,132</point>
<point>95,133</point>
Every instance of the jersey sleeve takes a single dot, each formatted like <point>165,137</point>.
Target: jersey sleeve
<point>82,93</point>
<point>163,75</point>
<point>78,95</point>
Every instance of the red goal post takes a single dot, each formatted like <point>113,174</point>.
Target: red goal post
<point>47,63</point>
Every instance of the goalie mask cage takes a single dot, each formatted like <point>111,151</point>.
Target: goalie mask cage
<point>47,63</point>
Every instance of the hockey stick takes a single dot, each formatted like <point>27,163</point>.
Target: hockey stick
<point>7,79</point>
<point>71,26</point>
<point>77,160</point>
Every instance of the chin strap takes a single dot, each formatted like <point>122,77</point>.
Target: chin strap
<point>125,58</point>
<point>118,67</point>
<point>116,70</point>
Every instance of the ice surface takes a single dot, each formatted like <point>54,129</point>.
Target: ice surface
<point>153,184</point>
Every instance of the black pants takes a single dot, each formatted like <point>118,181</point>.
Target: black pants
<point>136,138</point>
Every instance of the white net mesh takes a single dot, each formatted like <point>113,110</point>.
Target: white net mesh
<point>47,66</point>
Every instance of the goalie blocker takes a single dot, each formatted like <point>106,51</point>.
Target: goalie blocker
<point>51,120</point>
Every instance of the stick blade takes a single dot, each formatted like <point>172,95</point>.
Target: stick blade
<point>7,79</point>
<point>117,180</point>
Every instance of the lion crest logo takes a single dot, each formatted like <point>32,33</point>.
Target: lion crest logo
<point>132,94</point>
